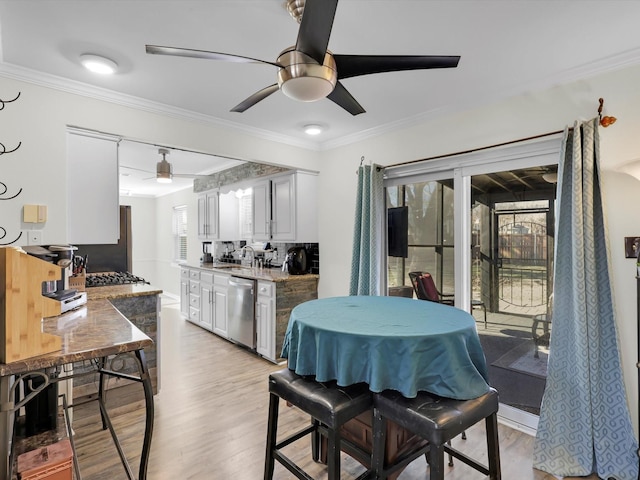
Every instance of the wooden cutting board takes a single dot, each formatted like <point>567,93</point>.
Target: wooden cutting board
<point>22,306</point>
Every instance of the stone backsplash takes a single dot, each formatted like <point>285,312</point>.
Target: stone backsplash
<point>237,174</point>
<point>279,253</point>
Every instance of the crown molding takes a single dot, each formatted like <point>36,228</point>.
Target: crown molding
<point>588,70</point>
<point>74,87</point>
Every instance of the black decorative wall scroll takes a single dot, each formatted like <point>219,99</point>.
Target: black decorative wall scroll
<point>3,186</point>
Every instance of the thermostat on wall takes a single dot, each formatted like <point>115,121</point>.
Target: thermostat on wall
<point>34,214</point>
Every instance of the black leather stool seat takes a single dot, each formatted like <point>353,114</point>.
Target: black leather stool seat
<point>329,405</point>
<point>437,420</point>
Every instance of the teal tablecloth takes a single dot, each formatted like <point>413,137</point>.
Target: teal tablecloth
<point>388,342</point>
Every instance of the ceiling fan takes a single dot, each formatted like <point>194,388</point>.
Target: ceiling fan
<point>308,71</point>
<point>164,170</point>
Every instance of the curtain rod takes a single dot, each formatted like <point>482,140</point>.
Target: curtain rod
<point>604,122</point>
<point>479,149</point>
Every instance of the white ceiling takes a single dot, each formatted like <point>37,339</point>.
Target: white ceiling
<point>506,48</point>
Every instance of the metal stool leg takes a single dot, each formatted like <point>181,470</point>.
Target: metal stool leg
<point>333,454</point>
<point>493,450</point>
<point>436,462</point>
<point>272,428</point>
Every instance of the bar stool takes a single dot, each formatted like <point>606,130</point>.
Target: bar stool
<point>330,406</point>
<point>437,420</point>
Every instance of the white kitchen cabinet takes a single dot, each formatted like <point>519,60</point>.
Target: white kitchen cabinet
<point>208,216</point>
<point>184,292</point>
<point>206,301</point>
<point>93,213</point>
<point>266,320</point>
<point>261,210</point>
<point>220,289</point>
<point>283,211</point>
<point>285,208</point>
<point>194,296</point>
<point>203,299</point>
<point>229,217</point>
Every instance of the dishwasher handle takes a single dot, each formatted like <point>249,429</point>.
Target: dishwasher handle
<point>241,283</point>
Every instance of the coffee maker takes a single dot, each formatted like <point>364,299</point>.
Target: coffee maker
<point>61,255</point>
<point>206,253</point>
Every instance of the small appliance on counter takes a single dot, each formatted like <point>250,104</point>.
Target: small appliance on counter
<point>59,290</point>
<point>206,257</point>
<point>296,262</point>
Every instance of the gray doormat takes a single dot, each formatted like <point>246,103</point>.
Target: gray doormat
<point>521,359</point>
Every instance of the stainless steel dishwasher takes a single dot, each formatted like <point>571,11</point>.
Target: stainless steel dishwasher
<point>241,326</point>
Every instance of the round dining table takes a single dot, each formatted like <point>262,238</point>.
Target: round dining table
<point>394,343</point>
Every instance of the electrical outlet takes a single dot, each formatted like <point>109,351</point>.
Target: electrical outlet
<point>34,237</point>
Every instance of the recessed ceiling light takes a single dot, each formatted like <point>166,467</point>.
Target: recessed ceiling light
<point>312,129</point>
<point>98,64</point>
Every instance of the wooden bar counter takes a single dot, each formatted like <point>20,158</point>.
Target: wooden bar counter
<point>98,335</point>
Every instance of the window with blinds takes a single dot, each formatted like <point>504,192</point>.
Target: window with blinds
<point>180,233</point>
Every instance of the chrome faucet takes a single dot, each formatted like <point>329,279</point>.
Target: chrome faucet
<point>244,254</point>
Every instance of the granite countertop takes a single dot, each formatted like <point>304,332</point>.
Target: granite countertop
<point>269,274</point>
<point>119,291</point>
<point>94,330</point>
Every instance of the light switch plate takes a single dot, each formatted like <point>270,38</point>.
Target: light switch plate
<point>34,237</point>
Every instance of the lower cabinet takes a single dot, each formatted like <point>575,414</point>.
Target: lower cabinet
<point>265,320</point>
<point>184,292</point>
<point>219,295</point>
<point>213,302</point>
<point>204,298</point>
<point>206,301</point>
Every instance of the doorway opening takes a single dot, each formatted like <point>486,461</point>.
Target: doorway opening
<point>511,261</point>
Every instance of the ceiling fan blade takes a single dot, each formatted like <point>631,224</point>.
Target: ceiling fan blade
<point>136,169</point>
<point>341,97</point>
<point>188,175</point>
<point>189,52</point>
<point>355,65</point>
<point>255,98</point>
<point>315,28</point>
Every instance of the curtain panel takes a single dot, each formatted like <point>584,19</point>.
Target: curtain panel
<point>368,234</point>
<point>584,426</point>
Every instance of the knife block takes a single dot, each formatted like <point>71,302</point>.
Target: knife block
<point>22,306</point>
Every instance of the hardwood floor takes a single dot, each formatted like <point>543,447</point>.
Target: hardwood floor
<point>210,421</point>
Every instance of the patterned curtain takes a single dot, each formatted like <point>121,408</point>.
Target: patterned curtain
<point>584,426</point>
<point>368,234</point>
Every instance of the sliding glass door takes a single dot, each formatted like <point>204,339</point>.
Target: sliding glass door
<point>482,225</point>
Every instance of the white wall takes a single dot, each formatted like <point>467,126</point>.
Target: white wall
<point>168,270</point>
<point>144,237</point>
<point>39,119</point>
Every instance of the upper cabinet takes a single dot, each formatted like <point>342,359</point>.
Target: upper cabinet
<point>229,217</point>
<point>285,208</point>
<point>208,216</point>
<point>261,210</point>
<point>93,214</point>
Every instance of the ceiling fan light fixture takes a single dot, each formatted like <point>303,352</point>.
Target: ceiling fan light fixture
<point>302,79</point>
<point>307,89</point>
<point>550,177</point>
<point>164,173</point>
<point>98,64</point>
